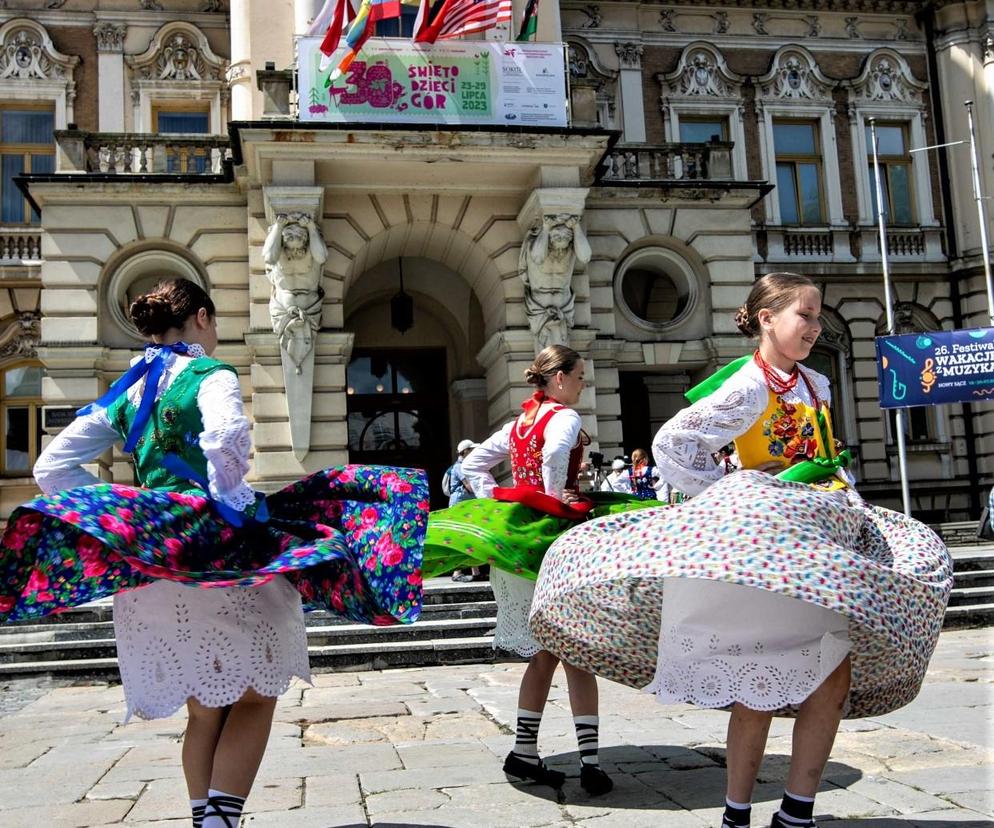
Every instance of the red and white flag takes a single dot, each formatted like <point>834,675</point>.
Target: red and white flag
<point>459,17</point>
<point>330,22</point>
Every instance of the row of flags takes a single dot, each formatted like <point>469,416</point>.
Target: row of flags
<point>436,20</point>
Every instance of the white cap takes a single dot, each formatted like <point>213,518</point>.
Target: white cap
<point>465,445</point>
<point>617,465</point>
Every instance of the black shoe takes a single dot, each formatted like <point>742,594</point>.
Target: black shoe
<point>594,781</point>
<point>776,822</point>
<point>537,773</point>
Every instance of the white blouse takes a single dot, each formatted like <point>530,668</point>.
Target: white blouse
<point>684,446</point>
<point>225,439</point>
<point>561,435</point>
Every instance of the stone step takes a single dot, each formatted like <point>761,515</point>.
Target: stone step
<point>972,558</point>
<point>20,648</point>
<point>969,615</point>
<point>975,578</point>
<point>973,595</point>
<point>331,658</point>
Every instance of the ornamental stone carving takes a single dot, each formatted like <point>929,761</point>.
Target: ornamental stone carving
<point>593,17</point>
<point>701,73</point>
<point>549,253</point>
<point>28,54</point>
<point>814,25</point>
<point>886,77</point>
<point>629,55</point>
<point>721,22</point>
<point>22,336</point>
<point>213,6</point>
<point>852,28</point>
<point>666,21</point>
<point>110,36</point>
<point>759,21</point>
<point>795,76</point>
<point>295,253</point>
<point>179,52</point>
<point>151,5</point>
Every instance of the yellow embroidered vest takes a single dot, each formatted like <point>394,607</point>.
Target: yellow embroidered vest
<point>786,433</point>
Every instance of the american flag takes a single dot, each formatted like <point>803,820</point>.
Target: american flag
<point>459,17</point>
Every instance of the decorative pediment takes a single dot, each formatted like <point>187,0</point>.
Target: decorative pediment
<point>584,65</point>
<point>29,54</point>
<point>794,76</point>
<point>701,72</point>
<point>887,78</point>
<point>178,52</point>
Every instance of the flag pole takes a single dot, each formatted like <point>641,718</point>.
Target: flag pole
<point>902,458</point>
<point>981,211</point>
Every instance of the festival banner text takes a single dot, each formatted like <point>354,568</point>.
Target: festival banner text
<point>459,82</point>
<point>936,367</point>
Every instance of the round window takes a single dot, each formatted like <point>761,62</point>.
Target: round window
<point>139,274</point>
<point>656,288</point>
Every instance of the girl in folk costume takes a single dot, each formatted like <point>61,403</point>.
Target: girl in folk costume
<point>645,478</point>
<point>345,540</point>
<point>782,594</point>
<point>511,528</point>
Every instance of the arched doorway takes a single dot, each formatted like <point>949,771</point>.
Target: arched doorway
<point>402,389</point>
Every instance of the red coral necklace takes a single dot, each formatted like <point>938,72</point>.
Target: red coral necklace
<point>781,386</point>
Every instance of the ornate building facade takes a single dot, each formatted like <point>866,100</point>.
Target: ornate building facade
<point>381,288</point>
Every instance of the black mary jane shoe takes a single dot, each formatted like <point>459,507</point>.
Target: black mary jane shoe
<point>514,766</point>
<point>594,781</point>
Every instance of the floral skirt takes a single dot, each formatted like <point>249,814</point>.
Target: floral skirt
<point>600,598</point>
<point>349,538</point>
<point>506,535</point>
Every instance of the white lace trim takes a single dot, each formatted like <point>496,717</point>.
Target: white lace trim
<point>684,446</point>
<point>723,643</point>
<point>513,595</point>
<point>175,642</point>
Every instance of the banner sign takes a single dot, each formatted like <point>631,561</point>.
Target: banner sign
<point>458,82</point>
<point>935,368</point>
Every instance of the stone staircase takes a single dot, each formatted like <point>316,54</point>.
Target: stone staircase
<point>456,627</point>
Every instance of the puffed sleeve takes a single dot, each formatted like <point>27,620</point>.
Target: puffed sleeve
<point>478,463</point>
<point>561,435</point>
<point>225,439</point>
<point>60,465</point>
<point>683,447</point>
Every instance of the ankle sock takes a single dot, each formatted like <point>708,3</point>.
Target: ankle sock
<point>526,736</point>
<point>197,806</point>
<point>736,814</point>
<point>587,738</point>
<point>796,810</point>
<point>223,810</point>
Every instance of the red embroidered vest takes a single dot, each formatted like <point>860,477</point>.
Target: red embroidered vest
<point>526,452</point>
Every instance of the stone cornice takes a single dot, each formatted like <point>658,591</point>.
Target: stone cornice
<point>832,6</point>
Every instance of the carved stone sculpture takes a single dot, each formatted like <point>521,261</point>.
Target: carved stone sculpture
<point>548,255</point>
<point>295,254</point>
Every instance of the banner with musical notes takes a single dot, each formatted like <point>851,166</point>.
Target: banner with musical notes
<point>936,367</point>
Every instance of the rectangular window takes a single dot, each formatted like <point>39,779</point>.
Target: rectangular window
<point>703,130</point>
<point>27,145</point>
<point>917,424</point>
<point>895,173</point>
<point>798,160</point>
<point>20,415</point>
<point>177,119</point>
<point>402,26</point>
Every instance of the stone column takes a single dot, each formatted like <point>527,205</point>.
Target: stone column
<point>469,408</point>
<point>110,75</point>
<point>261,33</point>
<point>630,84</point>
<point>554,247</point>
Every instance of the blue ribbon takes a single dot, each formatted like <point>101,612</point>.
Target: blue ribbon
<point>178,466</point>
<point>150,368</point>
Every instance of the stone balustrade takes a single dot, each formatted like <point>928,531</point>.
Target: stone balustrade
<point>667,162</point>
<point>20,244</point>
<point>141,154</point>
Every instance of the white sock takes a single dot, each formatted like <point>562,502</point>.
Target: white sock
<point>587,738</point>
<point>526,737</point>
<point>197,806</point>
<point>223,810</point>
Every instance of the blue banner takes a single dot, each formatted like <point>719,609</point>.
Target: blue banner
<point>936,368</point>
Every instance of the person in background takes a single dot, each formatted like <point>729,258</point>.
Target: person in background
<point>455,485</point>
<point>645,480</point>
<point>619,480</point>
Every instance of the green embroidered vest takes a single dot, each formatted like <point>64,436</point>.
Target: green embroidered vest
<point>174,428</point>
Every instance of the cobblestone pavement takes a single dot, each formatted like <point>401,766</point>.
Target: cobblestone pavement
<point>424,747</point>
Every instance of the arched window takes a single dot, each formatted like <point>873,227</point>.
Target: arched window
<point>831,357</point>
<point>20,415</point>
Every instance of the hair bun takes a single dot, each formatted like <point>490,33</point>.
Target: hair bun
<point>743,322</point>
<point>533,376</point>
<point>152,314</point>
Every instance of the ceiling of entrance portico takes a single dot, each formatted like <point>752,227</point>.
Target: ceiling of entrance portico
<point>437,161</point>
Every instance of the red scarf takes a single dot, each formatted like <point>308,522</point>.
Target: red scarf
<point>532,405</point>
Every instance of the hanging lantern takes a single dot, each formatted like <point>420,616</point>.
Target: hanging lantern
<point>402,305</point>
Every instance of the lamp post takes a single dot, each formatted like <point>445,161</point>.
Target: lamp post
<point>902,459</point>
<point>981,211</point>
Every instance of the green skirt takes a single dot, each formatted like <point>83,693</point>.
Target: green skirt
<point>509,536</point>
